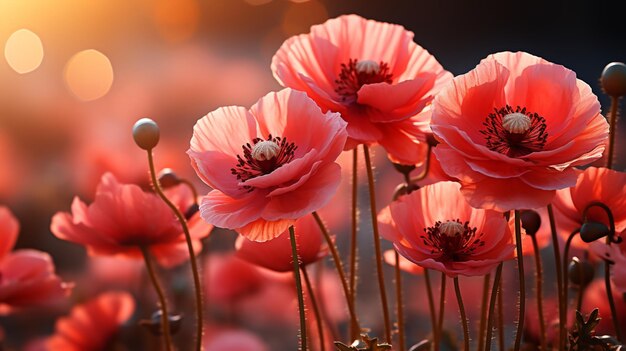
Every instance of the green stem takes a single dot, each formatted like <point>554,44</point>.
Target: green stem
<point>296,273</point>
<point>192,254</point>
<point>483,313</point>
<point>377,249</point>
<point>492,304</point>
<point>316,310</point>
<point>431,306</point>
<point>539,281</point>
<point>354,333</point>
<point>560,280</point>
<point>459,299</point>
<point>399,311</point>
<point>522,281</point>
<point>165,321</point>
<point>339,269</point>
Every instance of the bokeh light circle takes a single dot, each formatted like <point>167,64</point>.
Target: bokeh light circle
<point>88,75</point>
<point>23,51</point>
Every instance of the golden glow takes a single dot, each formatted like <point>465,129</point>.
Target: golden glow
<point>300,17</point>
<point>177,20</point>
<point>88,75</point>
<point>23,51</point>
<point>258,2</point>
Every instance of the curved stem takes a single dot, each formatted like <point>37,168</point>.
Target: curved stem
<point>339,268</point>
<point>560,280</point>
<point>192,254</point>
<point>522,281</point>
<point>165,321</point>
<point>354,333</point>
<point>492,304</point>
<point>191,187</point>
<point>424,172</point>
<point>399,311</point>
<point>539,281</point>
<point>442,301</point>
<point>459,299</point>
<point>316,310</point>
<point>377,249</point>
<point>296,273</point>
<point>565,265</point>
<point>483,312</point>
<point>612,128</point>
<point>431,307</point>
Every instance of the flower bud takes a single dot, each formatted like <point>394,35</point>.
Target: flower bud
<point>531,221</point>
<point>404,169</point>
<point>592,231</point>
<point>403,189</point>
<point>613,79</point>
<point>580,272</point>
<point>154,323</point>
<point>146,133</point>
<point>167,178</point>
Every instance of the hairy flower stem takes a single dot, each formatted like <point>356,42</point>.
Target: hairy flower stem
<point>192,254</point>
<point>459,299</point>
<point>495,291</point>
<point>431,307</point>
<point>354,333</point>
<point>165,321</point>
<point>483,312</point>
<point>612,128</point>
<point>442,303</point>
<point>560,281</point>
<point>316,310</point>
<point>296,274</point>
<point>339,268</point>
<point>399,303</point>
<point>539,282</point>
<point>522,281</point>
<point>377,249</point>
<point>501,345</point>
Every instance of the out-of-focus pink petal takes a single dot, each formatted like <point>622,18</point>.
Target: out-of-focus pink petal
<point>9,228</point>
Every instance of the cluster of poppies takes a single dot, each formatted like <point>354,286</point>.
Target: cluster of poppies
<point>490,160</point>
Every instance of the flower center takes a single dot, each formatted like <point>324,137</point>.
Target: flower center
<point>357,73</point>
<point>452,240</point>
<point>514,133</point>
<point>262,157</point>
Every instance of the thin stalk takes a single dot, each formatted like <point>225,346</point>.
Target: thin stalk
<point>501,346</point>
<point>565,265</point>
<point>431,307</point>
<point>191,187</point>
<point>399,311</point>
<point>424,172</point>
<point>165,321</point>
<point>459,299</point>
<point>192,254</point>
<point>560,280</point>
<point>339,268</point>
<point>483,313</point>
<point>539,281</point>
<point>296,273</point>
<point>492,304</point>
<point>609,295</point>
<point>612,128</point>
<point>442,301</point>
<point>353,242</point>
<point>377,249</point>
<point>579,300</point>
<point>316,310</point>
<point>522,281</point>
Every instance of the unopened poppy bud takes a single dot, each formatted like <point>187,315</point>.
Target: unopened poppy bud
<point>580,272</point>
<point>167,178</point>
<point>592,231</point>
<point>146,133</point>
<point>154,323</point>
<point>403,189</point>
<point>404,169</point>
<point>613,79</point>
<point>192,210</point>
<point>531,221</point>
<point>423,345</point>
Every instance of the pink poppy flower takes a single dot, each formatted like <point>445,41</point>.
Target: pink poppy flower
<point>90,326</point>
<point>124,218</point>
<point>436,228</point>
<point>269,165</point>
<point>275,254</point>
<point>512,129</point>
<point>373,74</point>
<point>27,277</point>
<point>593,185</point>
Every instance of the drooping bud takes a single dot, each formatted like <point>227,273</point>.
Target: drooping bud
<point>404,169</point>
<point>403,189</point>
<point>613,79</point>
<point>167,178</point>
<point>146,133</point>
<point>580,272</point>
<point>592,231</point>
<point>531,221</point>
<point>154,323</point>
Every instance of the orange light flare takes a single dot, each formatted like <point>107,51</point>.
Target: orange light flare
<point>23,51</point>
<point>88,75</point>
